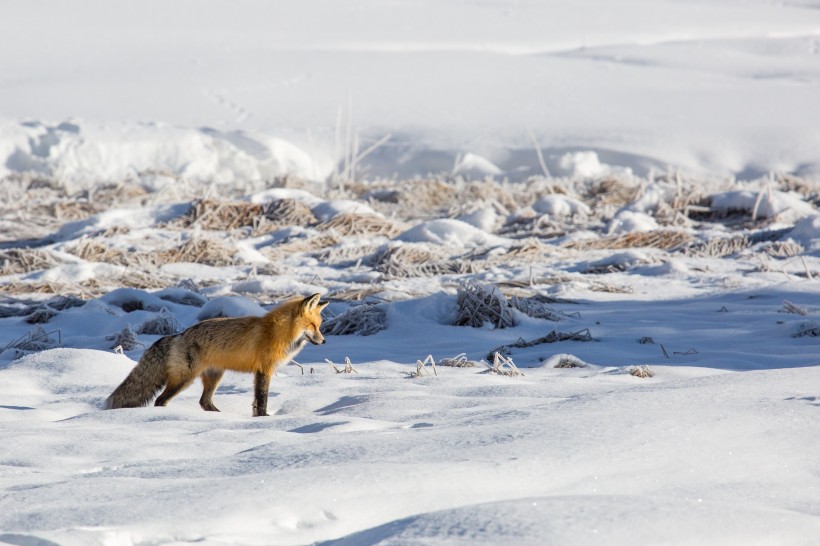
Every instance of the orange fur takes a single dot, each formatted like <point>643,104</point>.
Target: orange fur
<point>255,345</point>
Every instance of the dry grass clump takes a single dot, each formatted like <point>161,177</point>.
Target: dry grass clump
<point>346,253</point>
<point>163,324</point>
<point>347,369</point>
<point>491,192</point>
<point>34,341</point>
<point>220,215</point>
<point>611,191</point>
<point>363,320</point>
<point>144,280</point>
<point>217,215</point>
<point>92,250</point>
<point>420,260</point>
<point>124,340</point>
<point>199,250</point>
<point>41,315</point>
<point>643,372</point>
<point>426,198</point>
<point>421,367</point>
<point>43,287</point>
<point>458,361</point>
<point>479,304</point>
<point>668,240</point>
<point>726,246</point>
<point>355,294</point>
<point>807,329</point>
<point>25,260</point>
<point>282,213</point>
<point>502,365</point>
<point>553,337</point>
<point>313,243</point>
<point>567,361</point>
<point>534,307</point>
<point>116,194</point>
<point>352,224</point>
<point>782,249</point>
<point>531,250</point>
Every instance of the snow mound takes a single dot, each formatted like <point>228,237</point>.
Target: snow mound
<point>583,165</point>
<point>628,221</point>
<point>83,154</point>
<point>484,219</point>
<point>788,207</point>
<point>807,232</point>
<point>230,306</point>
<point>560,205</point>
<point>275,194</point>
<point>449,232</point>
<point>327,210</point>
<point>474,166</point>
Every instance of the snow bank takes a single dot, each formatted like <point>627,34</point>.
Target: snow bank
<point>82,155</point>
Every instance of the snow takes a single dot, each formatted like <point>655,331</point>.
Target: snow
<point>560,205</point>
<point>447,231</point>
<point>428,122</point>
<point>213,93</point>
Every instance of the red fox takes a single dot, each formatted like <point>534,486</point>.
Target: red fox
<point>256,345</point>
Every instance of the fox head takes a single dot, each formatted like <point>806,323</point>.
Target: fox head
<point>309,318</point>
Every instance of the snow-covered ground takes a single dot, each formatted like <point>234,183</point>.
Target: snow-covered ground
<point>163,163</point>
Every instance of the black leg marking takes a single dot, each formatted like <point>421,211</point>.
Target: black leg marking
<point>260,395</point>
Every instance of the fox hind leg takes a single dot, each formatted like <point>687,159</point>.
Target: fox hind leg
<point>176,383</point>
<point>210,380</point>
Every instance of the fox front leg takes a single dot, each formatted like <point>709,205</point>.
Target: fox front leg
<point>260,394</point>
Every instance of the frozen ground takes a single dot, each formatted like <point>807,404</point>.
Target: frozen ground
<point>165,163</point>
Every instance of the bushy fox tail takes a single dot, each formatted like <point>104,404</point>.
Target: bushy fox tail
<point>145,380</point>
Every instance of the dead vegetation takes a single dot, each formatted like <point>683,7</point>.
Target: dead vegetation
<point>479,304</point>
<point>216,228</point>
<point>419,260</point>
<point>502,365</point>
<point>669,240</point>
<point>362,320</point>
<point>553,337</point>
<point>217,215</point>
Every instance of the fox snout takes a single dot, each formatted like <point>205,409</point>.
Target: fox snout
<point>316,339</point>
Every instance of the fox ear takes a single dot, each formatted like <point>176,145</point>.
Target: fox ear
<point>310,303</point>
<point>323,304</point>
